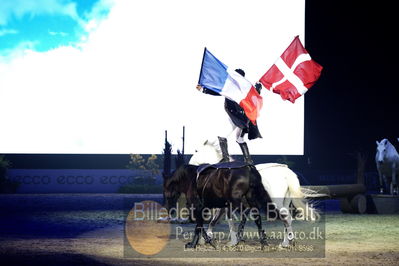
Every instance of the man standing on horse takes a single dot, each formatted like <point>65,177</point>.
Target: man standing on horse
<point>238,123</point>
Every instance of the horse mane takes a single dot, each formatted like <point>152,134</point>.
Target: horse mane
<point>391,149</point>
<point>180,174</point>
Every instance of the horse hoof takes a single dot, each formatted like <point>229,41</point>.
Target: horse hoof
<point>182,221</point>
<point>201,241</point>
<point>173,220</point>
<point>263,242</point>
<point>283,246</point>
<point>163,220</point>
<point>210,241</point>
<point>232,243</point>
<point>213,244</point>
<point>289,243</point>
<point>240,240</point>
<point>190,245</point>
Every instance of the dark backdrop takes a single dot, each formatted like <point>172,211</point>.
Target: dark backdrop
<point>354,102</point>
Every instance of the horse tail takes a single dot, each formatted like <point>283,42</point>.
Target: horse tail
<point>301,197</point>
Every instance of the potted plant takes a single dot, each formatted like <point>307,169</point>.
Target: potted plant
<point>4,164</point>
<point>6,185</point>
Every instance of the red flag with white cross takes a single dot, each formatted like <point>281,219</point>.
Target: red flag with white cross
<point>293,73</point>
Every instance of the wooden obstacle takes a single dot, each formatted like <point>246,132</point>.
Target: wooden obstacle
<point>383,204</point>
<point>351,196</point>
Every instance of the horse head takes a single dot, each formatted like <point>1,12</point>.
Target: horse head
<point>206,153</point>
<point>382,147</point>
<point>170,192</point>
<point>179,182</point>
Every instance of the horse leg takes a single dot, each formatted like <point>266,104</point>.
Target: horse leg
<point>287,220</point>
<point>281,210</point>
<point>233,232</point>
<point>262,235</point>
<point>254,203</point>
<point>394,181</point>
<point>381,178</point>
<point>240,232</point>
<point>198,228</point>
<point>214,221</point>
<point>288,233</point>
<point>208,239</point>
<point>237,236</point>
<point>194,242</point>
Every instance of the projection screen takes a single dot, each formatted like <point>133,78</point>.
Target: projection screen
<point>134,77</point>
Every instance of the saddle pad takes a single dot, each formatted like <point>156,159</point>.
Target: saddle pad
<point>268,165</point>
<point>224,165</point>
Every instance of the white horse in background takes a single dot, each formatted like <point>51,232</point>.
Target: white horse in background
<point>387,162</point>
<point>279,181</point>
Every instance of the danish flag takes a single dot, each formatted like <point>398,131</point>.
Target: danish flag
<point>293,73</point>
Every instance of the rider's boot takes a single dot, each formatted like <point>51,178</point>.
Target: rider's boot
<point>223,147</point>
<point>245,152</point>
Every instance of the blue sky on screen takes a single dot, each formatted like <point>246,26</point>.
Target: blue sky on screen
<point>42,25</point>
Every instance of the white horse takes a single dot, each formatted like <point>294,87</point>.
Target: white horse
<point>387,162</point>
<point>279,181</point>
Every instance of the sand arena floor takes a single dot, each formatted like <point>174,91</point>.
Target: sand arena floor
<point>90,230</point>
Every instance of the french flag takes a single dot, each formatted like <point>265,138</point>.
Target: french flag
<point>219,78</point>
<point>293,73</point>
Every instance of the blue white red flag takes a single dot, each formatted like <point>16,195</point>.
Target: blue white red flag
<point>219,78</point>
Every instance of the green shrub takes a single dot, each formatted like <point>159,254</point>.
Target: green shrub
<point>6,185</point>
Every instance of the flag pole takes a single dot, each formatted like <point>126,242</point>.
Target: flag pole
<point>202,64</point>
<point>183,139</point>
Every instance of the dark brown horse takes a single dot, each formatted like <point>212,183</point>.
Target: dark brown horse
<point>233,186</point>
